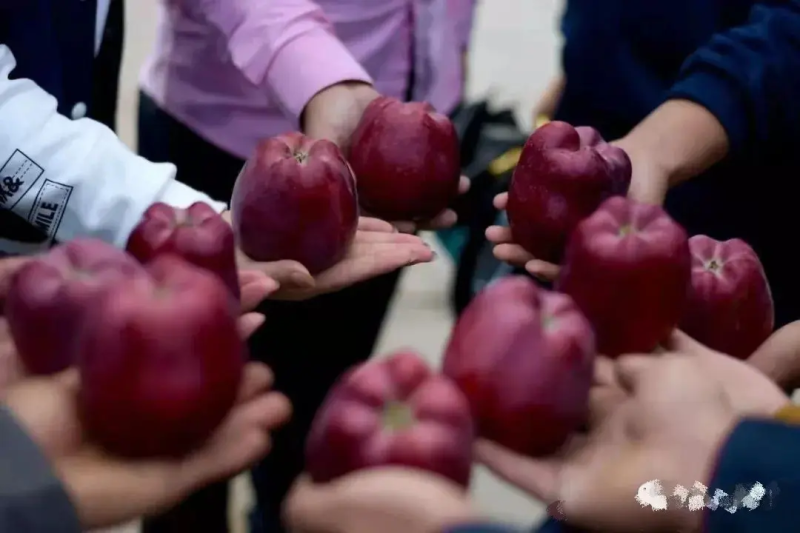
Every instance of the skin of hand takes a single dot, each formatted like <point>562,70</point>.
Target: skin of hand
<point>378,248</point>
<point>675,416</point>
<point>107,490</point>
<point>547,104</point>
<point>388,499</point>
<point>334,113</point>
<point>779,356</point>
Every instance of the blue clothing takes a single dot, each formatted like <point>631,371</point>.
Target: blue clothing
<point>738,58</point>
<point>53,42</point>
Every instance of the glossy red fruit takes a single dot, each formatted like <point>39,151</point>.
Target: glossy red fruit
<point>160,361</point>
<point>730,306</point>
<point>524,357</point>
<point>48,297</point>
<point>296,199</point>
<point>627,267</point>
<point>392,411</point>
<point>406,158</point>
<point>197,234</point>
<point>563,175</point>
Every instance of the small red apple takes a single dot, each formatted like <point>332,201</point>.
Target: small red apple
<point>406,158</point>
<point>730,305</point>
<point>627,267</point>
<point>524,358</point>
<point>392,411</point>
<point>49,295</point>
<point>563,175</point>
<point>296,199</point>
<point>160,361</point>
<point>198,234</point>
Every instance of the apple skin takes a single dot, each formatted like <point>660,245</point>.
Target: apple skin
<point>198,234</point>
<point>628,267</point>
<point>296,199</point>
<point>48,298</point>
<point>160,361</point>
<point>524,358</point>
<point>406,158</point>
<point>352,430</point>
<point>729,306</point>
<point>563,176</point>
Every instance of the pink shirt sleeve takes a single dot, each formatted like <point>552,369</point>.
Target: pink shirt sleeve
<point>287,46</point>
<point>463,12</point>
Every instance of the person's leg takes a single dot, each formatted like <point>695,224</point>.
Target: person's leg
<point>163,139</point>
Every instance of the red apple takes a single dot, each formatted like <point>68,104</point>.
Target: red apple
<point>627,267</point>
<point>524,358</point>
<point>563,175</point>
<point>392,411</point>
<point>198,234</point>
<point>49,295</point>
<point>730,305</point>
<point>406,158</point>
<point>160,361</point>
<point>296,199</point>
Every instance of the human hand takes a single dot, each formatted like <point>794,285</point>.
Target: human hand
<point>334,112</point>
<point>505,249</point>
<point>377,249</point>
<point>676,415</point>
<point>107,490</point>
<point>649,180</point>
<point>390,499</point>
<point>445,219</point>
<point>779,357</point>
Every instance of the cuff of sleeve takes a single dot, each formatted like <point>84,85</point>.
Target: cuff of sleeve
<point>180,195</point>
<point>723,99</point>
<point>483,527</point>
<point>299,70</point>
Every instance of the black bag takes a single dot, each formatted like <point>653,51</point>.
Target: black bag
<point>491,143</point>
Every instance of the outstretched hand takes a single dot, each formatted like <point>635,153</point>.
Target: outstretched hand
<point>377,249</point>
<point>108,490</point>
<point>505,249</point>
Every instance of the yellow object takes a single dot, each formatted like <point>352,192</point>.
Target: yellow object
<point>789,414</point>
<point>505,162</point>
<point>541,120</point>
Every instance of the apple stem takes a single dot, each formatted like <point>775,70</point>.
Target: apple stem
<point>397,416</point>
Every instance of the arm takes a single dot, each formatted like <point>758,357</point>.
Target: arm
<point>286,46</point>
<point>759,452</point>
<point>74,178</point>
<point>737,93</point>
<point>31,497</point>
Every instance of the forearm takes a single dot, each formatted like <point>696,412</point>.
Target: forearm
<point>286,46</point>
<point>74,178</point>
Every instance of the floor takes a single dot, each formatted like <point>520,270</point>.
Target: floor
<point>514,54</point>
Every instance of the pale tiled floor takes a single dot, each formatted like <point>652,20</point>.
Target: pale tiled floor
<point>514,54</point>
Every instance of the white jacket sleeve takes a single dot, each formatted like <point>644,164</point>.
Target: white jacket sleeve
<point>73,178</point>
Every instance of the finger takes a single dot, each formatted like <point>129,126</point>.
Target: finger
<point>289,274</point>
<point>537,477</point>
<point>512,254</point>
<point>254,289</point>
<point>249,324</point>
<point>500,201</point>
<point>542,269</point>
<point>374,224</point>
<point>307,502</point>
<point>380,259</point>
<point>629,370</point>
<point>445,219</point>
<point>679,341</point>
<point>464,185</point>
<point>256,379</point>
<point>268,411</point>
<point>604,372</point>
<point>499,235</point>
<point>69,379</point>
<point>375,238</point>
<point>405,226</point>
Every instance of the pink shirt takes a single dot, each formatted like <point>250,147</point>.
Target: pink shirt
<point>236,71</point>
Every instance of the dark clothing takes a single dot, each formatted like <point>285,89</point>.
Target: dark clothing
<point>307,344</point>
<point>738,58</point>
<point>32,499</point>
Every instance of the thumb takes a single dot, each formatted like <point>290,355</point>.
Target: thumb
<point>779,356</point>
<point>678,341</point>
<point>289,274</point>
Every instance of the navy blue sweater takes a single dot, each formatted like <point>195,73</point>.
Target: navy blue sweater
<point>738,58</point>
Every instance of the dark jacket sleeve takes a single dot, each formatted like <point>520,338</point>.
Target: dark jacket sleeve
<point>32,499</point>
<point>759,468</point>
<point>749,78</point>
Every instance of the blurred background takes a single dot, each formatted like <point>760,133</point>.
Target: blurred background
<point>513,56</point>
